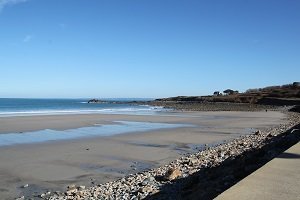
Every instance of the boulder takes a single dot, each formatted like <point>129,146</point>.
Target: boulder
<point>172,174</point>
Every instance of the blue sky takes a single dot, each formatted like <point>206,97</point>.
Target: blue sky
<point>146,48</point>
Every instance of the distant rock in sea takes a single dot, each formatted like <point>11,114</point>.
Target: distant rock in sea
<point>96,101</point>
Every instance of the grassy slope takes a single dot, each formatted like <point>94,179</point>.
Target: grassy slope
<point>274,95</point>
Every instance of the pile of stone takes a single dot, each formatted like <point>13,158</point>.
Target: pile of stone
<point>148,183</point>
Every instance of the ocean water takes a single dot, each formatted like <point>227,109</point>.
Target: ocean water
<point>25,107</point>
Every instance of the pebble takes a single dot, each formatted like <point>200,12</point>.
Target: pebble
<point>70,187</point>
<point>172,174</point>
<point>42,195</point>
<point>82,187</point>
<point>258,132</point>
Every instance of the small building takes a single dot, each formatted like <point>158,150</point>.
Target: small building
<point>216,93</point>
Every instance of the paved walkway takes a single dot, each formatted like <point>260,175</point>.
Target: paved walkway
<point>278,179</point>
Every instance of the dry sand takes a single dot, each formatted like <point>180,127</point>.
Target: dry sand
<point>96,160</point>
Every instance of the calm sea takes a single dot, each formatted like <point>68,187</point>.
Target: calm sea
<point>24,107</point>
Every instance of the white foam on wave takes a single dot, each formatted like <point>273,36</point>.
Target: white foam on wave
<point>129,110</point>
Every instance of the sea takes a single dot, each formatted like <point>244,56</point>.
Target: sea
<point>29,107</point>
<point>10,107</point>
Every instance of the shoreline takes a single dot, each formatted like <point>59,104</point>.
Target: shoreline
<point>212,106</point>
<point>19,124</point>
<point>51,166</point>
<point>181,178</point>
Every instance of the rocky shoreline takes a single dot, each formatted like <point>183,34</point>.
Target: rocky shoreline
<point>196,105</point>
<point>211,106</point>
<point>208,172</point>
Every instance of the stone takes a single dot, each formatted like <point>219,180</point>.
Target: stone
<point>193,161</point>
<point>25,186</point>
<point>82,187</point>
<point>258,132</point>
<point>80,193</point>
<point>147,181</point>
<point>70,187</point>
<point>71,191</point>
<point>147,189</point>
<point>20,198</point>
<point>221,154</point>
<point>172,174</point>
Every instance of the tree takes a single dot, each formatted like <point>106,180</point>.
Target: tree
<point>296,84</point>
<point>228,91</point>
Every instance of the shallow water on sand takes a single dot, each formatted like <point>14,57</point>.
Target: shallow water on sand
<point>119,127</point>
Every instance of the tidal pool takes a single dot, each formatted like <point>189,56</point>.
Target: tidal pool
<point>93,131</point>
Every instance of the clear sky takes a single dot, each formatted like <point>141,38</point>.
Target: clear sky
<point>146,48</point>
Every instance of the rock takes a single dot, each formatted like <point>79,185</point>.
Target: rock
<point>147,181</point>
<point>80,193</point>
<point>221,154</point>
<point>20,198</point>
<point>147,189</point>
<point>70,187</point>
<point>193,161</point>
<point>96,101</point>
<point>71,191</point>
<point>82,187</point>
<point>25,186</point>
<point>172,174</point>
<point>42,195</point>
<point>192,171</point>
<point>258,132</point>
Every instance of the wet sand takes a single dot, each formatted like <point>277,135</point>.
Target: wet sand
<point>96,160</point>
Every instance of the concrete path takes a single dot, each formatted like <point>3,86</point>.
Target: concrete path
<point>278,179</point>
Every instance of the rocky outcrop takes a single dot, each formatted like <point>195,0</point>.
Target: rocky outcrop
<point>96,101</point>
<point>211,106</point>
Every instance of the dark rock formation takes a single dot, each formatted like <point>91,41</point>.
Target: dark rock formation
<point>95,101</point>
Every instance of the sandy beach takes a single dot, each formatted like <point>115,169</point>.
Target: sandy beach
<point>89,161</point>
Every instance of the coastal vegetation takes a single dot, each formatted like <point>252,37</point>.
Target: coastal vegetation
<point>288,94</point>
<point>266,98</point>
